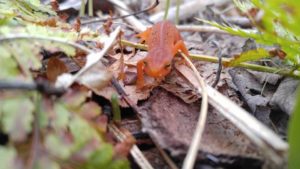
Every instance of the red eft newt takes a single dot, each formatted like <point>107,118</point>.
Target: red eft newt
<point>164,41</point>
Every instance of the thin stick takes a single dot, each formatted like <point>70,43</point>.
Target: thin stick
<point>136,153</point>
<point>41,86</point>
<point>35,147</point>
<point>190,158</point>
<point>213,59</point>
<point>58,40</point>
<point>167,159</point>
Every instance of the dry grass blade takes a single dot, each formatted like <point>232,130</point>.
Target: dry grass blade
<point>190,158</point>
<point>136,153</point>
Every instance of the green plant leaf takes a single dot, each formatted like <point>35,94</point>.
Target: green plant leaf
<point>46,161</point>
<point>82,132</point>
<point>17,117</point>
<point>9,68</point>
<point>62,116</point>
<point>101,158</point>
<point>58,147</point>
<point>120,164</point>
<point>251,55</point>
<point>32,10</point>
<point>294,137</point>
<point>8,156</point>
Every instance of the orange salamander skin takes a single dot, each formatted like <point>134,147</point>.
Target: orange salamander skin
<point>164,41</point>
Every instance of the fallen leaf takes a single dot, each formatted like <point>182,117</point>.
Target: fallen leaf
<point>255,95</point>
<point>95,78</point>
<point>285,95</point>
<point>55,67</point>
<point>171,122</point>
<point>132,93</point>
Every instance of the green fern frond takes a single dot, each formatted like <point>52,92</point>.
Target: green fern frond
<point>29,10</point>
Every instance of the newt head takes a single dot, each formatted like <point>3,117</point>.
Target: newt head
<point>158,64</point>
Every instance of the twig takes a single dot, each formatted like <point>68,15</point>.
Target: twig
<point>168,160</point>
<point>213,59</point>
<point>41,86</point>
<point>219,71</point>
<point>58,40</point>
<point>190,158</point>
<point>35,147</point>
<point>135,151</point>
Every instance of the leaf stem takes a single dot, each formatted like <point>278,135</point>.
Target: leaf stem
<point>225,61</point>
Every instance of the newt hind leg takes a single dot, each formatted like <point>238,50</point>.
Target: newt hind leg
<point>144,35</point>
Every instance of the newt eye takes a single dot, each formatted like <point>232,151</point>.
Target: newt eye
<point>146,63</point>
<point>168,65</point>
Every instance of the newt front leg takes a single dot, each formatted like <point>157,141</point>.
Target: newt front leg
<point>140,74</point>
<point>180,46</point>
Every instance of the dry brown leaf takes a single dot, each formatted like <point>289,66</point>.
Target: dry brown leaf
<point>172,122</point>
<point>131,91</point>
<point>181,81</point>
<point>55,67</point>
<point>129,82</point>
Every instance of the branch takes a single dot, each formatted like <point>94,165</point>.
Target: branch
<point>58,40</point>
<point>41,86</point>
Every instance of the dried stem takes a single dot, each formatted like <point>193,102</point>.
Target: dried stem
<point>225,61</point>
<point>189,160</point>
<point>58,40</point>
